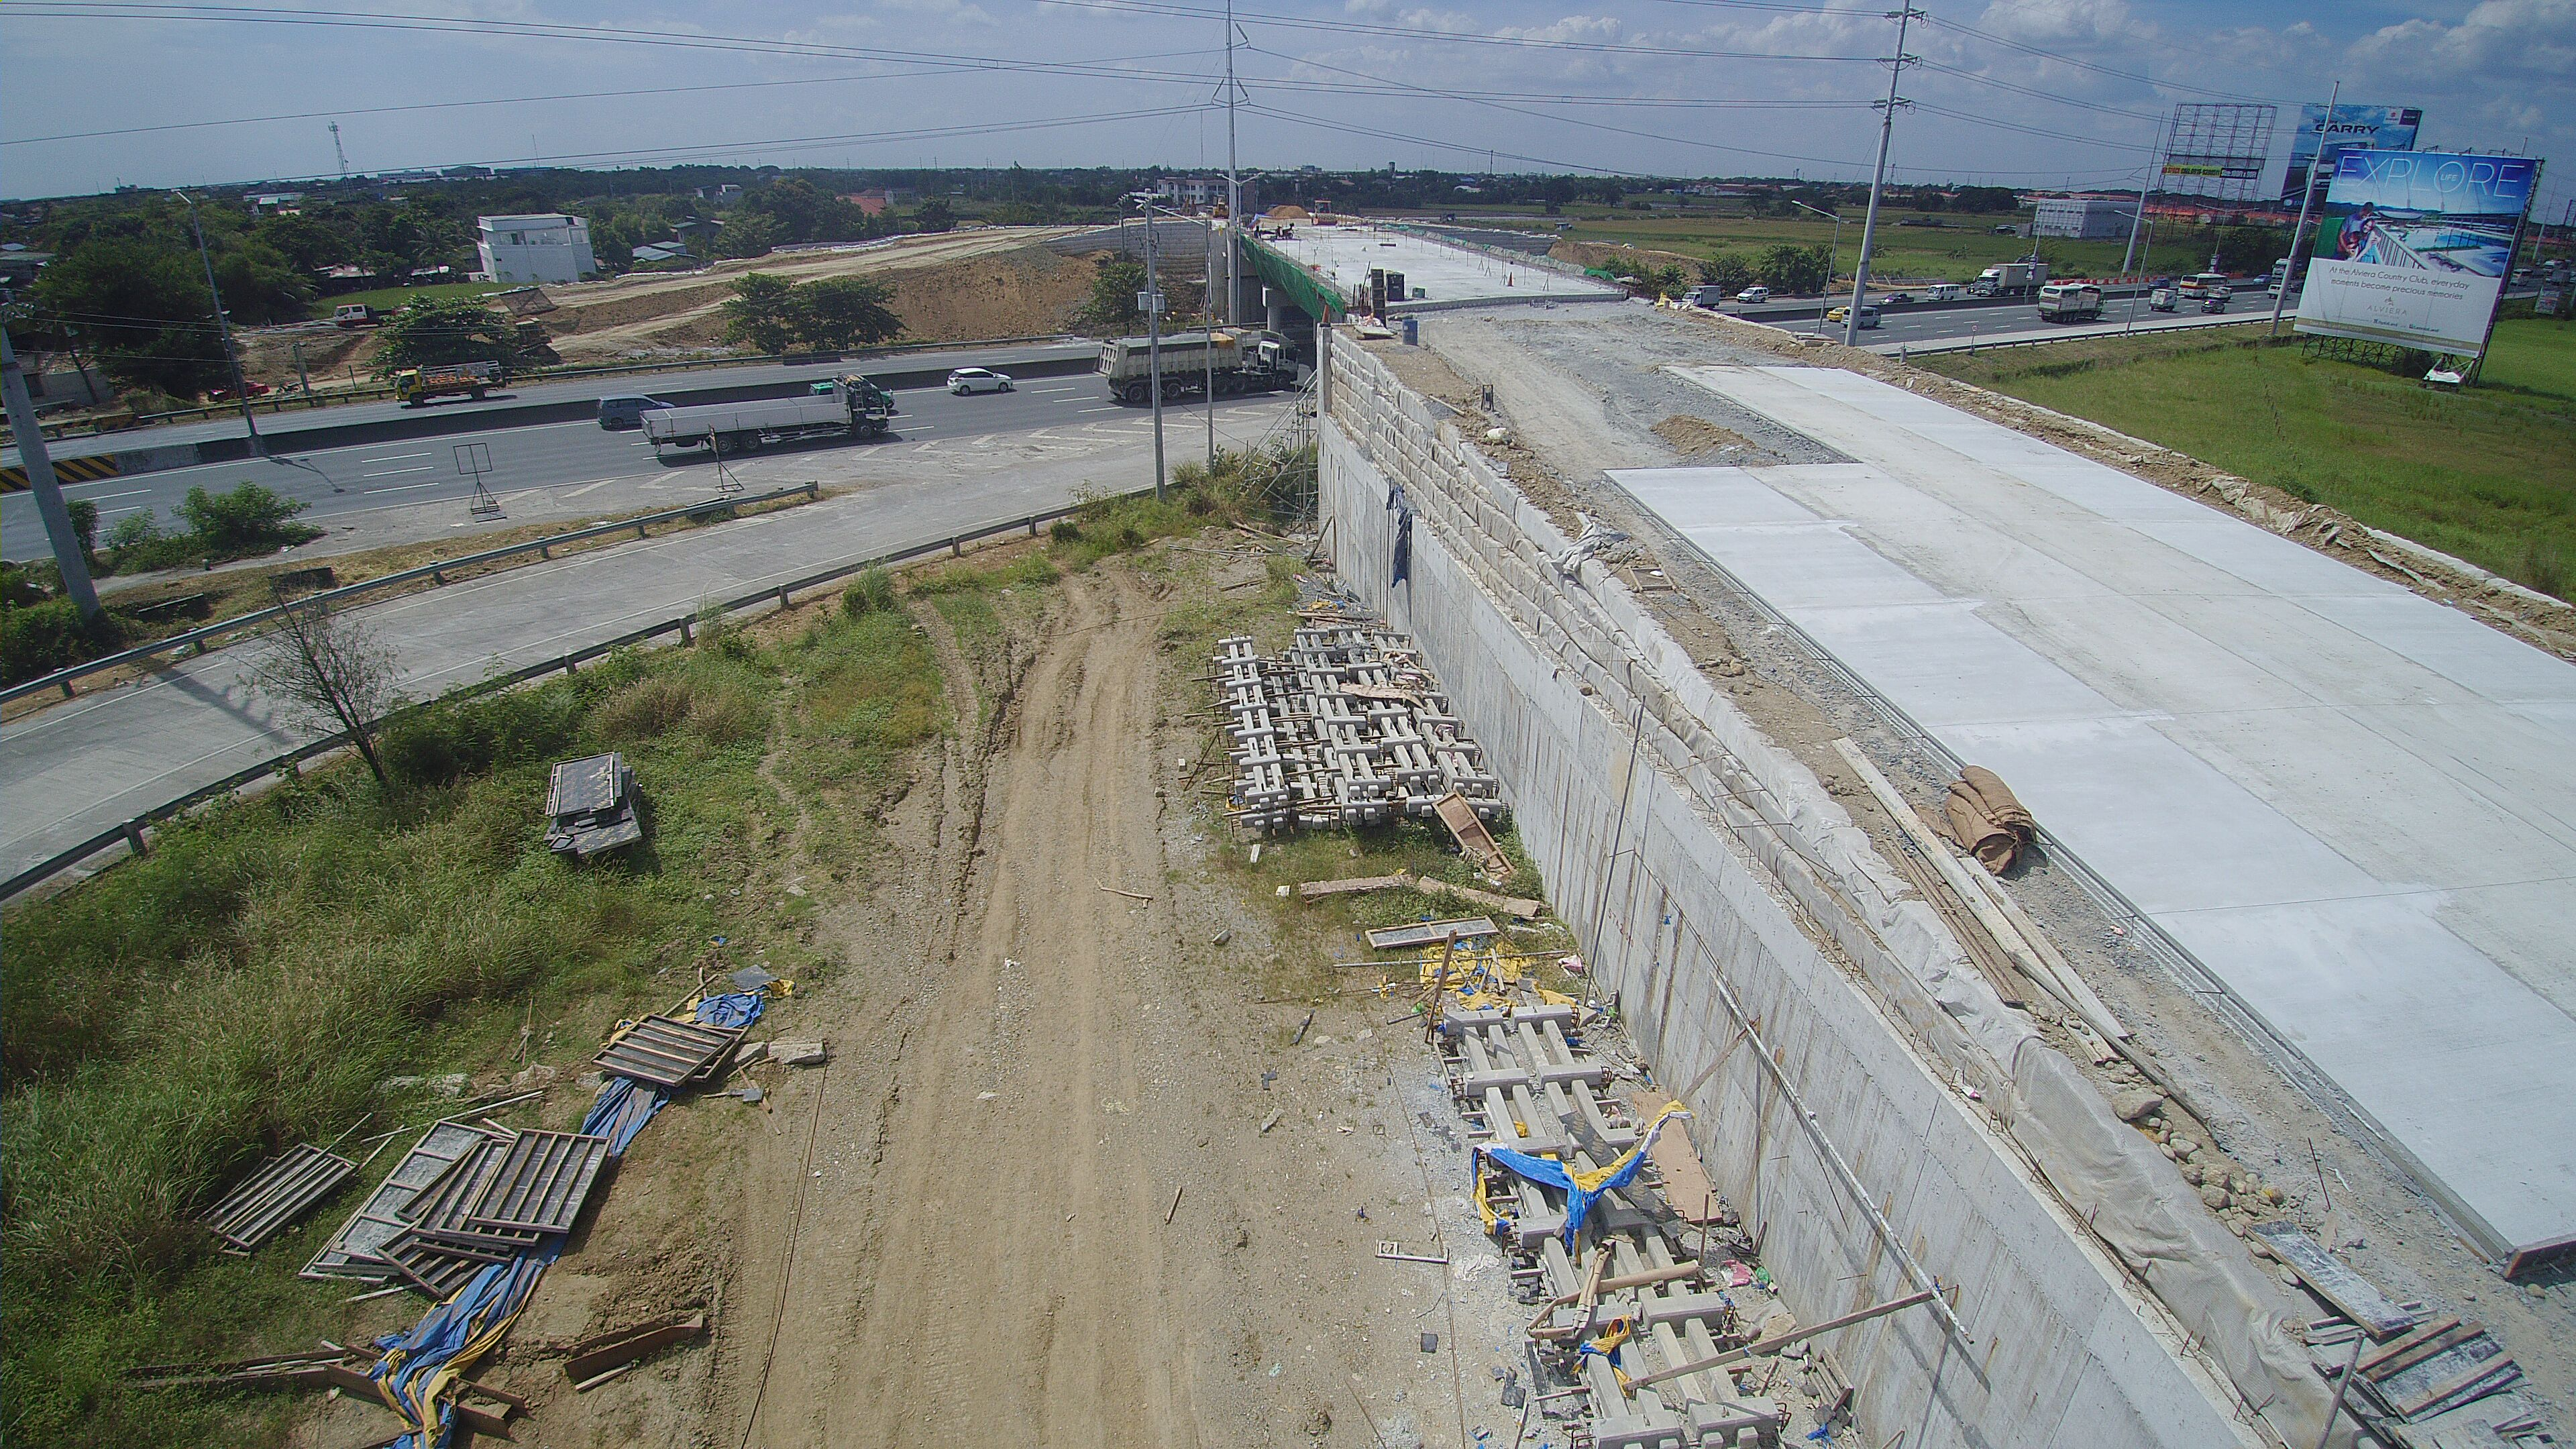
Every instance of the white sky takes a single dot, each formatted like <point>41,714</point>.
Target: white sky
<point>1339,85</point>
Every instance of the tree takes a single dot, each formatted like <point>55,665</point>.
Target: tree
<point>936,215</point>
<point>1728,270</point>
<point>1797,270</point>
<point>329,670</point>
<point>443,331</point>
<point>1111,310</point>
<point>144,307</point>
<point>248,519</point>
<point>762,312</point>
<point>843,312</point>
<point>2246,250</point>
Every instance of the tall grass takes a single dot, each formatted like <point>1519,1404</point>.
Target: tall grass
<point>178,1019</point>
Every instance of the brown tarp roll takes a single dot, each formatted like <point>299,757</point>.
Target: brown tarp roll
<point>1987,820</point>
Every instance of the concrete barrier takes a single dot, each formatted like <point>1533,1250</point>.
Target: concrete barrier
<point>1686,850</point>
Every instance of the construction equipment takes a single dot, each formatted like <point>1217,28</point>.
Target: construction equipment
<point>846,407</point>
<point>1245,360</point>
<point>417,385</point>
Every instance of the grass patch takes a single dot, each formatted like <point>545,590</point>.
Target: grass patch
<point>2481,473</point>
<point>393,299</point>
<point>1953,252</point>
<point>178,1019</point>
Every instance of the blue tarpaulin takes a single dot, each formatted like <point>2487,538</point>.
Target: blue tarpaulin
<point>734,1009</point>
<point>1581,1188</point>
<point>621,1111</point>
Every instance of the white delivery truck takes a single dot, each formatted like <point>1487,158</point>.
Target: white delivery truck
<point>2011,279</point>
<point>2070,302</point>
<point>848,406</point>
<point>1945,292</point>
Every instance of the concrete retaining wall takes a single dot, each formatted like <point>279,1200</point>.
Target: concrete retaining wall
<point>1686,850</point>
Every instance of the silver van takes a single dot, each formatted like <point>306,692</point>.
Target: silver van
<point>627,412</point>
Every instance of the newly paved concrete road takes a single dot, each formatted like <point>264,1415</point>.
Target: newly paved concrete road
<point>1937,327</point>
<point>404,490</point>
<point>82,767</point>
<point>2349,803</point>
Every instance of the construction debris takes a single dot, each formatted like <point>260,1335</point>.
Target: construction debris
<point>276,1195</point>
<point>357,1250</point>
<point>2350,1294</point>
<point>660,1051</point>
<point>1474,841</point>
<point>595,1356</point>
<point>1346,729</point>
<point>591,804</point>
<point>797,1053</point>
<point>1986,820</point>
<point>1429,933</point>
<point>1510,905</point>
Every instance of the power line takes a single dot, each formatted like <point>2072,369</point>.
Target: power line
<point>941,69</point>
<point>1413,32</point>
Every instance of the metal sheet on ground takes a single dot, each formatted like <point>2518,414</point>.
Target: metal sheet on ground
<point>277,1194</point>
<point>1430,933</point>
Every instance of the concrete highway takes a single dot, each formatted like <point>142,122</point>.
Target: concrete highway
<point>85,765</point>
<point>1935,326</point>
<point>408,489</point>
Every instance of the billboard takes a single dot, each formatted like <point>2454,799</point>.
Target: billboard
<point>2217,150</point>
<point>2351,128</point>
<point>2414,245</point>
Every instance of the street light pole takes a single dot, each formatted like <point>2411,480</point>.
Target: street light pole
<point>223,325</point>
<point>1833,263</point>
<point>1233,184</point>
<point>39,467</point>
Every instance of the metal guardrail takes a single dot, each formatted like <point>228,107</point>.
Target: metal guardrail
<point>276,403</point>
<point>436,573</point>
<point>131,832</point>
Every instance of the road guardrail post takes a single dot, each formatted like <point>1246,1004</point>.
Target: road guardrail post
<point>134,837</point>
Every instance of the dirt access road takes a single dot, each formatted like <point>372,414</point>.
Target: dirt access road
<point>955,1232</point>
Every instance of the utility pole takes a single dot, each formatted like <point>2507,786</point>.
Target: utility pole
<point>40,481</point>
<point>1233,184</point>
<point>1208,353</point>
<point>2299,229</point>
<point>1886,133</point>
<point>224,325</point>
<point>1153,300</point>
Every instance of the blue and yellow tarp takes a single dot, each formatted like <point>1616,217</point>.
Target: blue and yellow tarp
<point>1582,1187</point>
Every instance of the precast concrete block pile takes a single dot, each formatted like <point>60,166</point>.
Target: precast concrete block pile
<point>1347,728</point>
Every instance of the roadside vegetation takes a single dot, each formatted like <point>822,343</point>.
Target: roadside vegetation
<point>253,981</point>
<point>2481,473</point>
<point>40,631</point>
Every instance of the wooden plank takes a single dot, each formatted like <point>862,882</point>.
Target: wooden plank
<point>2350,1294</point>
<point>2370,1362</point>
<point>1687,1189</point>
<point>2416,1347</point>
<point>1426,933</point>
<point>1472,836</point>
<point>595,1356</point>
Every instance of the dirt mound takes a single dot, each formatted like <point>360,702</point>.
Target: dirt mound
<point>1024,290</point>
<point>1691,436</point>
<point>1594,254</point>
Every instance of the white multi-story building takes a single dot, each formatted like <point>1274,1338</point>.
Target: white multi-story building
<point>2085,218</point>
<point>550,248</point>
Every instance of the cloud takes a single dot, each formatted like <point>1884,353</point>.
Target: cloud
<point>2499,39</point>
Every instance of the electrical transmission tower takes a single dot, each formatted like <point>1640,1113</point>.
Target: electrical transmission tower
<point>337,150</point>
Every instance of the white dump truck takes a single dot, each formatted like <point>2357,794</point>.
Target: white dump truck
<point>1246,360</point>
<point>848,406</point>
<point>2010,279</point>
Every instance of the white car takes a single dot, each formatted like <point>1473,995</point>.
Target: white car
<point>977,379</point>
<point>1754,294</point>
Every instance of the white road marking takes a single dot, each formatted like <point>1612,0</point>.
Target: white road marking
<point>396,457</point>
<point>103,497</point>
<point>602,483</point>
<point>406,487</point>
<point>394,473</point>
<point>1096,410</point>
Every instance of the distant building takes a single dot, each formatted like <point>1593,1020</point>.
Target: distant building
<point>1202,191</point>
<point>18,266</point>
<point>869,203</point>
<point>275,200</point>
<point>654,252</point>
<point>721,196</point>
<point>544,248</point>
<point>2083,218</point>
